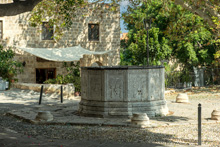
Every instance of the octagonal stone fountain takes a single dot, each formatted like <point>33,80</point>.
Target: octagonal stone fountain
<point>121,91</point>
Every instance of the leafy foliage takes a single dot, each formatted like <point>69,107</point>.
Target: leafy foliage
<point>57,13</point>
<point>216,62</point>
<point>191,38</point>
<point>8,67</point>
<point>174,77</point>
<point>137,44</point>
<point>175,32</point>
<point>73,76</point>
<point>61,13</point>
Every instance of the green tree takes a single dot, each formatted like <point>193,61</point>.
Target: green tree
<point>190,38</point>
<point>207,9</point>
<point>8,67</point>
<point>62,12</point>
<point>158,44</point>
<point>187,34</point>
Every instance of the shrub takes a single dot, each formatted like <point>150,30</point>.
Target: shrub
<point>73,76</point>
<point>8,67</point>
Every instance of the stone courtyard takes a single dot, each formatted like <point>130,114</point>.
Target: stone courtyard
<point>20,107</point>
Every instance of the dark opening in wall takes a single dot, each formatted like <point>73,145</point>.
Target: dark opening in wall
<point>93,32</point>
<point>43,74</point>
<point>47,31</point>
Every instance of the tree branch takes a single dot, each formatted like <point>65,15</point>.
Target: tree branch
<point>17,7</point>
<point>198,11</point>
<point>212,11</point>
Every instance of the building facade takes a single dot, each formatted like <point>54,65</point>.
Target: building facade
<point>95,31</point>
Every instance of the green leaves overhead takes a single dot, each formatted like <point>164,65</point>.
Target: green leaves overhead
<point>57,12</point>
<point>137,44</point>
<point>175,32</point>
<point>191,37</point>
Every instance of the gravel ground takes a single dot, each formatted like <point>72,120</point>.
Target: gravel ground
<point>171,135</point>
<point>178,135</point>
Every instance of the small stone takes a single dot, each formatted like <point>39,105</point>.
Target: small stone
<point>44,116</point>
<point>182,98</point>
<point>215,115</point>
<point>139,119</point>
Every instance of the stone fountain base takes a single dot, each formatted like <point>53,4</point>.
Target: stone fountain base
<point>122,91</point>
<point>122,109</point>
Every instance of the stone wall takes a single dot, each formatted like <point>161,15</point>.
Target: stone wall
<point>18,33</point>
<point>29,75</point>
<point>68,90</point>
<point>110,59</point>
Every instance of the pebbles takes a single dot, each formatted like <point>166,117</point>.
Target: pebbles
<point>169,135</point>
<point>179,135</point>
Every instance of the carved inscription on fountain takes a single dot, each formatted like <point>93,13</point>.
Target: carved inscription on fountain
<point>137,88</point>
<point>115,86</point>
<point>155,86</point>
<point>95,87</point>
<point>84,84</point>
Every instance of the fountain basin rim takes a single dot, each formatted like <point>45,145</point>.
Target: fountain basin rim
<point>122,67</point>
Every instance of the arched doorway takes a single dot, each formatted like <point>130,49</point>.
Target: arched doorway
<point>96,64</point>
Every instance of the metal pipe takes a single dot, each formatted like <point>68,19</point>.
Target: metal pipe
<point>41,92</point>
<point>199,125</point>
<point>147,26</point>
<point>147,48</point>
<point>61,94</point>
<point>148,42</point>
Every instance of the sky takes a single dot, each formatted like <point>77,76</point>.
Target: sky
<point>123,8</point>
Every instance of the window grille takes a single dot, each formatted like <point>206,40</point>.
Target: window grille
<point>93,32</point>
<point>47,31</point>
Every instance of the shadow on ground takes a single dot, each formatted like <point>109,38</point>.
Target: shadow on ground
<point>172,118</point>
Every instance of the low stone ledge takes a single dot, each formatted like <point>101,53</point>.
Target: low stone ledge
<point>68,90</point>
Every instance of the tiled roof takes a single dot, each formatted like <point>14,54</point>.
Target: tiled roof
<point>124,36</point>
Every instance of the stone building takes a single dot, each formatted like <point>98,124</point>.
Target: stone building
<point>97,31</point>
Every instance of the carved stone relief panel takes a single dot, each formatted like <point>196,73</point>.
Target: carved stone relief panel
<point>162,85</point>
<point>95,85</point>
<point>115,86</point>
<point>155,84</point>
<point>84,84</point>
<point>137,87</point>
